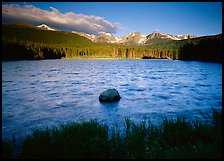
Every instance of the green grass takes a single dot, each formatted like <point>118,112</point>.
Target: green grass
<point>172,139</point>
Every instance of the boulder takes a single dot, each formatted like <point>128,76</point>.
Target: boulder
<point>110,95</point>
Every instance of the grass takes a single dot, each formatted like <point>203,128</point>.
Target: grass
<point>172,139</point>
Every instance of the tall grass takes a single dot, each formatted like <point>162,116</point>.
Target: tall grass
<point>173,139</point>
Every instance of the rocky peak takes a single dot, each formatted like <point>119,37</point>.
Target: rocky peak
<point>154,35</point>
<point>132,38</point>
<point>106,37</point>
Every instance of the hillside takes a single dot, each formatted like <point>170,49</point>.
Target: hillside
<point>25,33</point>
<point>208,48</point>
<point>23,41</point>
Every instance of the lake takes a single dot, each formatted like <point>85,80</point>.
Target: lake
<point>42,93</point>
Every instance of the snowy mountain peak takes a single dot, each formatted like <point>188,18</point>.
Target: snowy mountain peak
<point>43,26</point>
<point>131,38</point>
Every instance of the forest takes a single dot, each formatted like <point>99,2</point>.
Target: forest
<point>23,42</point>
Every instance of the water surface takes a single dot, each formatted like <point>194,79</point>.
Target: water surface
<point>51,92</point>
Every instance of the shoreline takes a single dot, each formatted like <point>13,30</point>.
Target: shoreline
<point>78,58</point>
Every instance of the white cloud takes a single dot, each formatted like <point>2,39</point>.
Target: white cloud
<point>69,21</point>
<point>156,30</point>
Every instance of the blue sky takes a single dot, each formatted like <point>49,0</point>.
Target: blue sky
<point>121,18</point>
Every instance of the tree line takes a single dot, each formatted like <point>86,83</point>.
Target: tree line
<point>207,49</point>
<point>26,50</point>
<point>30,51</point>
<point>19,43</point>
<point>204,50</point>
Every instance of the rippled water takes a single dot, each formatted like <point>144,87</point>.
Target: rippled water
<point>51,92</point>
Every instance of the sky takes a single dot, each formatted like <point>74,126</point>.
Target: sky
<point>120,18</point>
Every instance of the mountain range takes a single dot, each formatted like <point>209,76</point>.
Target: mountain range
<point>23,41</point>
<point>133,38</point>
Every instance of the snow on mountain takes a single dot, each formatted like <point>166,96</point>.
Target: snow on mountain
<point>143,39</point>
<point>43,26</point>
<point>168,36</point>
<point>131,38</point>
<point>106,37</point>
<point>88,36</point>
<point>118,39</point>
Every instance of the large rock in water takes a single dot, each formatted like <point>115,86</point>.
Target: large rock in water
<point>110,95</point>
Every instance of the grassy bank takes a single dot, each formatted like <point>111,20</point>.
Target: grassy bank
<point>172,139</point>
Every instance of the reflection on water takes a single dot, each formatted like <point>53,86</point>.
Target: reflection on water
<point>51,92</point>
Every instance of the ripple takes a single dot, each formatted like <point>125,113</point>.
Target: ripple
<point>14,89</point>
<point>199,98</point>
<point>76,82</point>
<point>7,90</point>
<point>175,92</point>
<point>71,73</point>
<point>163,97</point>
<point>134,79</point>
<point>31,100</point>
<point>145,77</point>
<point>140,89</point>
<point>53,94</point>
<point>55,108</point>
<point>7,81</point>
<point>33,91</point>
<point>54,70</point>
<point>46,82</point>
<point>162,71</point>
<point>124,85</point>
<point>50,75</point>
<point>38,73</point>
<point>203,85</point>
<point>154,78</point>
